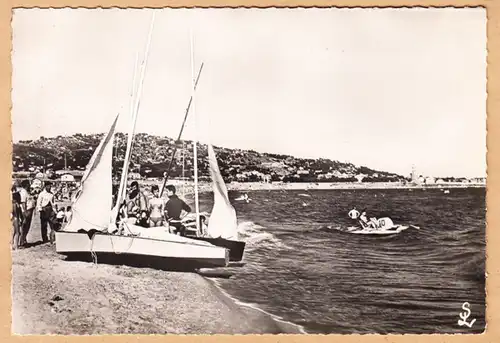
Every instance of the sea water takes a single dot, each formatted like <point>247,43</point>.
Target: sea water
<point>302,266</point>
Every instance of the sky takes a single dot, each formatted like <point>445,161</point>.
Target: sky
<point>384,88</point>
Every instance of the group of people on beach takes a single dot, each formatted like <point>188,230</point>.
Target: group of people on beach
<point>28,200</point>
<point>151,210</point>
<point>63,191</point>
<point>146,209</point>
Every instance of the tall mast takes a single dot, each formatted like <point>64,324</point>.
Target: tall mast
<point>195,140</point>
<point>135,110</point>
<point>169,168</point>
<point>123,179</point>
<point>183,169</point>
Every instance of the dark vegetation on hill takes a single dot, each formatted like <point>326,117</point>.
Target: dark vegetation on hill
<point>151,156</point>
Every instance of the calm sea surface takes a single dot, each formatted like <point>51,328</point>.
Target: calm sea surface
<point>302,267</point>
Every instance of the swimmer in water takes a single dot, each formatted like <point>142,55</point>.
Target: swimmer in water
<point>156,208</point>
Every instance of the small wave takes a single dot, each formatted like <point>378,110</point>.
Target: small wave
<point>330,228</point>
<point>256,236</point>
<point>274,317</point>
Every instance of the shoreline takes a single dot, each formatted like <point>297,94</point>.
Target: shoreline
<point>203,187</point>
<point>285,326</point>
<point>54,296</point>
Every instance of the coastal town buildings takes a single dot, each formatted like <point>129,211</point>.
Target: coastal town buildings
<point>55,157</point>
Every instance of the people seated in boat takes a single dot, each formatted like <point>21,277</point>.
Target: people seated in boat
<point>365,223</point>
<point>354,214</point>
<point>137,205</point>
<point>148,193</point>
<point>175,210</point>
<point>191,224</point>
<point>203,226</point>
<point>156,208</point>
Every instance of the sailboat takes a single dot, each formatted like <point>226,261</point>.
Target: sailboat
<point>222,229</point>
<point>92,228</point>
<point>95,229</point>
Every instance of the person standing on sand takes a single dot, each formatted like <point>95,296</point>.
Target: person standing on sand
<point>174,208</point>
<point>61,214</point>
<point>16,217</point>
<point>28,206</point>
<point>45,205</point>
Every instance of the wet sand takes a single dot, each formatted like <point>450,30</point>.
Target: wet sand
<point>54,296</point>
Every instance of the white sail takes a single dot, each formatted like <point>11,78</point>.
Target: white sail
<point>91,208</point>
<point>223,221</point>
<point>92,161</point>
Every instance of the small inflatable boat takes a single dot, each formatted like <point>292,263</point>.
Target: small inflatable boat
<point>385,226</point>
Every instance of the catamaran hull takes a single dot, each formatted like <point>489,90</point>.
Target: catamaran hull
<point>74,244</point>
<point>382,231</point>
<point>236,248</point>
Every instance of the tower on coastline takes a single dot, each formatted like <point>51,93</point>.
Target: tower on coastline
<point>413,174</point>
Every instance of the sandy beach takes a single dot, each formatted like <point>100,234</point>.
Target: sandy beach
<point>54,296</point>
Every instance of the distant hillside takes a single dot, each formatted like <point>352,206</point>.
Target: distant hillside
<point>151,155</point>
